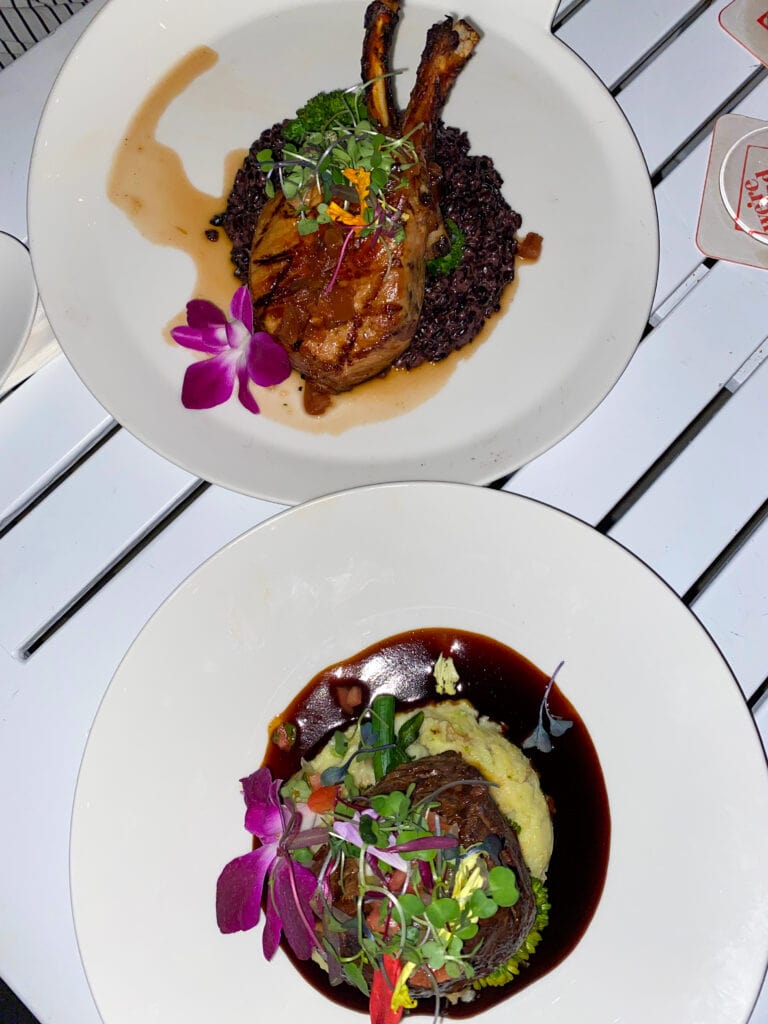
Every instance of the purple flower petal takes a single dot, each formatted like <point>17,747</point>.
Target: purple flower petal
<point>262,801</point>
<point>293,886</point>
<point>202,339</point>
<point>238,335</point>
<point>238,353</point>
<point>268,361</point>
<point>349,831</point>
<point>202,313</point>
<point>239,889</point>
<point>209,382</point>
<point>243,391</point>
<point>273,929</point>
<point>241,308</point>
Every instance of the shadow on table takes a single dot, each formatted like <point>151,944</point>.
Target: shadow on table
<point>11,1010</point>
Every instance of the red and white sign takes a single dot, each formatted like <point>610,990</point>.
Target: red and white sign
<point>733,221</point>
<point>747,22</point>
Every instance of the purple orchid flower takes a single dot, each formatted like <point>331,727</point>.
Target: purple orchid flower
<point>291,885</point>
<point>237,353</point>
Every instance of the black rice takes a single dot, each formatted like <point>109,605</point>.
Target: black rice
<point>456,305</point>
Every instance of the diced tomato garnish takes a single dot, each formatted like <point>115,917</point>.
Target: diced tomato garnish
<point>323,799</point>
<point>349,697</point>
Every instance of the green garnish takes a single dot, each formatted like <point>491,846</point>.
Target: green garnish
<point>383,722</point>
<point>317,115</point>
<point>435,924</point>
<point>333,156</point>
<point>507,972</point>
<point>391,748</point>
<point>447,264</point>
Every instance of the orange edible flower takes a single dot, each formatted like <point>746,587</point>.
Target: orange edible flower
<point>361,179</point>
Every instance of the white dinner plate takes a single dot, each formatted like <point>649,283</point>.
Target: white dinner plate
<point>570,164</point>
<point>18,300</point>
<point>681,931</point>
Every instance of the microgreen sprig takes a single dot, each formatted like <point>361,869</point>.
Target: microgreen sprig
<point>330,145</point>
<point>541,737</point>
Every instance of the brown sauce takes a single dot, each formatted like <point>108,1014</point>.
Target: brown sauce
<point>149,184</point>
<point>506,687</point>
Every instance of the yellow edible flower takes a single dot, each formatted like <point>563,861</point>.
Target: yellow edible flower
<point>401,997</point>
<point>469,878</point>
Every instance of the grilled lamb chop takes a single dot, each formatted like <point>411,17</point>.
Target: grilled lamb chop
<point>345,316</point>
<point>470,813</point>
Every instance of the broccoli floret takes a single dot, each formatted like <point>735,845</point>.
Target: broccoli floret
<point>448,263</point>
<point>318,114</point>
<point>506,973</point>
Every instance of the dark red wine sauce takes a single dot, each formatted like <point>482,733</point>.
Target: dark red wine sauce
<point>506,687</point>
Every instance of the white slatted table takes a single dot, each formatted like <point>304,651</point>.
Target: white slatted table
<point>96,530</point>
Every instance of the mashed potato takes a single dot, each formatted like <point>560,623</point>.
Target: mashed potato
<point>456,725</point>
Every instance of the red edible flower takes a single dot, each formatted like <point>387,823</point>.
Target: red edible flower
<point>381,992</point>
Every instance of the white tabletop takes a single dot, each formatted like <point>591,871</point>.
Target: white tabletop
<point>96,530</point>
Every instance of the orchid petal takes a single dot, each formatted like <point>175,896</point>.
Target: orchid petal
<point>293,886</point>
<point>209,382</point>
<point>238,335</point>
<point>262,800</point>
<point>202,313</point>
<point>243,392</point>
<point>268,362</point>
<point>350,833</point>
<point>273,930</point>
<point>241,308</point>
<point>239,889</point>
<point>202,339</point>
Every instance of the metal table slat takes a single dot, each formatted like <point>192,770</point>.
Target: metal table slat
<point>675,526</point>
<point>734,608</point>
<point>56,551</point>
<point>674,374</point>
<point>613,36</point>
<point>666,106</point>
<point>54,418</point>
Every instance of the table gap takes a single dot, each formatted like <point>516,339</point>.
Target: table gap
<point>757,698</point>
<point>705,129</point>
<point>681,442</point>
<point>560,19</point>
<point>20,513</point>
<point>719,563</point>
<point>666,40</point>
<point>54,624</point>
